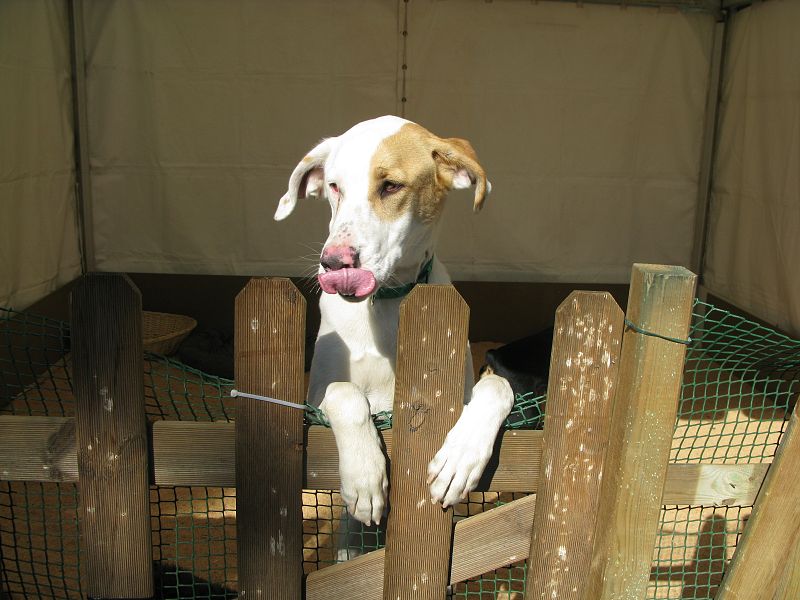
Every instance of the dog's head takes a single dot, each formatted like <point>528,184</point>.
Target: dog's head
<point>386,180</point>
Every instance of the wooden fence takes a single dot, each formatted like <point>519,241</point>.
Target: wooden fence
<point>599,469</point>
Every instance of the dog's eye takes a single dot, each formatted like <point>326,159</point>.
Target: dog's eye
<point>334,187</point>
<point>390,187</point>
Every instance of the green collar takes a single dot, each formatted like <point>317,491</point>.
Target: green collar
<point>403,290</point>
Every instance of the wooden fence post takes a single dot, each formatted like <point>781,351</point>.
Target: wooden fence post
<point>111,434</point>
<point>763,565</point>
<point>789,584</point>
<point>645,408</point>
<point>580,395</point>
<point>269,348</point>
<point>429,396</point>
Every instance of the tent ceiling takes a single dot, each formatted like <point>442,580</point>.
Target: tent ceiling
<point>712,6</point>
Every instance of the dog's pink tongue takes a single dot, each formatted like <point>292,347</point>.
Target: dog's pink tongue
<point>348,282</point>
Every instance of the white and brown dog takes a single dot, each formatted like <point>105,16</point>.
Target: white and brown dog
<point>386,180</point>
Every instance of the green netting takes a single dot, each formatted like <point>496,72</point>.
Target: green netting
<point>741,380</point>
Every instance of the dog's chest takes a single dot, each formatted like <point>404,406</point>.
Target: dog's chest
<point>361,339</point>
<point>375,376</point>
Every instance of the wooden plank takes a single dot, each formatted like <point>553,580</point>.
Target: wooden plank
<point>773,530</point>
<point>713,484</point>
<point>38,449</point>
<point>481,543</point>
<point>268,351</point>
<point>322,457</point>
<point>203,454</point>
<point>789,584</point>
<point>650,378</point>
<point>428,399</point>
<point>513,469</point>
<point>194,453</point>
<point>582,384</point>
<point>111,436</point>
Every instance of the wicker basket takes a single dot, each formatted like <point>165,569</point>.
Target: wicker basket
<point>162,333</point>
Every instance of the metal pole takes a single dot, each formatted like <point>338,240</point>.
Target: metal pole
<point>83,183</point>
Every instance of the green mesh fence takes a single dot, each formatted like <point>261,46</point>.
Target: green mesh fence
<point>741,380</point>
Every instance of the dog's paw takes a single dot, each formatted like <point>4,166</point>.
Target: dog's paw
<point>364,484</point>
<point>458,465</point>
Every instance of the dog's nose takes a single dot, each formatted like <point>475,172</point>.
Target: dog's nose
<point>339,257</point>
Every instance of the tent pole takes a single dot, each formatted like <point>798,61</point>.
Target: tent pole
<point>83,186</point>
<point>709,148</point>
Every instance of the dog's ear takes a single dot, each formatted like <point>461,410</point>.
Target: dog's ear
<point>306,180</point>
<point>458,166</point>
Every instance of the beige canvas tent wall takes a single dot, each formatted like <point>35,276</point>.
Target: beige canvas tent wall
<point>754,234</point>
<point>596,123</point>
<point>39,249</point>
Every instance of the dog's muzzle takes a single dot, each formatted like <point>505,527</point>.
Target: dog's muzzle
<point>349,282</point>
<point>342,274</point>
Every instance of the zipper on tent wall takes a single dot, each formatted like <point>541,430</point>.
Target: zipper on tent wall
<point>83,187</point>
<point>709,148</point>
<point>403,16</point>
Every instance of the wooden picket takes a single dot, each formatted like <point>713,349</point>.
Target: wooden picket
<point>645,409</point>
<point>429,396</point>
<point>111,436</point>
<point>582,385</point>
<point>269,349</point>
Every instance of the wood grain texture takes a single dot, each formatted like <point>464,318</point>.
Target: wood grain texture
<point>713,484</point>
<point>788,587</point>
<point>428,398</point>
<point>650,377</point>
<point>38,449</point>
<point>194,453</point>
<point>512,468</point>
<point>481,543</point>
<point>190,453</point>
<point>580,396</point>
<point>268,354</point>
<point>772,536</point>
<point>111,436</point>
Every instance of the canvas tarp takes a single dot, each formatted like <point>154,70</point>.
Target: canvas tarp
<point>38,227</point>
<point>754,225</point>
<point>588,120</point>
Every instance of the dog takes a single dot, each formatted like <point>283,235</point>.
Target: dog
<point>386,180</point>
<point>524,363</point>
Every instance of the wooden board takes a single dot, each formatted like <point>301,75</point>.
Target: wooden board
<point>268,351</point>
<point>788,587</point>
<point>650,378</point>
<point>111,436</point>
<point>582,384</point>
<point>761,566</point>
<point>428,399</point>
<point>481,543</point>
<point>189,453</point>
<point>38,449</point>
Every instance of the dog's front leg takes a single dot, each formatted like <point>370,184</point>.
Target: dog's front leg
<point>362,464</point>
<point>457,467</point>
